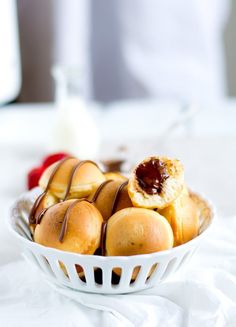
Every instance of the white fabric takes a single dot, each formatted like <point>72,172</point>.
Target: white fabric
<point>202,295</point>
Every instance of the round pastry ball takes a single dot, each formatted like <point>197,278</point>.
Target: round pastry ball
<point>156,182</point>
<point>83,231</point>
<point>133,231</point>
<point>108,192</point>
<point>182,214</point>
<point>86,178</point>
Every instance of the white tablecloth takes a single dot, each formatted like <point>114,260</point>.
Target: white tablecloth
<point>202,295</point>
<point>208,150</point>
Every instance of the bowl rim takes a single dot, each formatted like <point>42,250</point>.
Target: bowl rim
<point>172,251</point>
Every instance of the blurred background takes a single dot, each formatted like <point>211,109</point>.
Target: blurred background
<point>184,49</point>
<point>118,80</point>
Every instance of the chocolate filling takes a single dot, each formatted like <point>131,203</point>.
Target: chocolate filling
<point>67,216</point>
<point>151,176</point>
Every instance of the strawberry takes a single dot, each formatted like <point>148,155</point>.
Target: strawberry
<point>47,161</point>
<point>35,173</point>
<point>34,176</point>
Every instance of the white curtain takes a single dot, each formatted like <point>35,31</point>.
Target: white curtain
<point>142,48</point>
<point>160,48</point>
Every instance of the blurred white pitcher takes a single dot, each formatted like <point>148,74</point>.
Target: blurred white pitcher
<point>75,130</point>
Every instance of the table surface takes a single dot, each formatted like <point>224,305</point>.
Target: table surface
<point>206,145</point>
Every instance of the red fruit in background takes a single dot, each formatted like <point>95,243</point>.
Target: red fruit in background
<point>53,158</point>
<point>34,176</point>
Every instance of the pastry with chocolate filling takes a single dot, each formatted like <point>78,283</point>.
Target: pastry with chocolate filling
<point>72,225</point>
<point>133,231</point>
<point>156,182</point>
<point>71,178</point>
<point>115,176</point>
<point>182,214</point>
<point>110,197</point>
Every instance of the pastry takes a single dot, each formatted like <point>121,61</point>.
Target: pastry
<point>71,178</point>
<point>115,176</point>
<point>43,201</point>
<point>183,217</point>
<point>156,182</point>
<point>72,225</point>
<point>116,217</point>
<point>110,197</point>
<point>133,231</point>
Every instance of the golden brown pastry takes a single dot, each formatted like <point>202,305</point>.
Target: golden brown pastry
<point>42,202</point>
<point>156,182</point>
<point>183,217</point>
<point>110,197</point>
<point>71,178</point>
<point>115,176</point>
<point>134,231</point>
<point>72,225</point>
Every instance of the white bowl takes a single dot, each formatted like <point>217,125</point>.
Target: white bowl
<point>60,266</point>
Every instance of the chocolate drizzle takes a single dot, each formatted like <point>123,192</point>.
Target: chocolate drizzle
<point>55,170</point>
<point>101,186</point>
<point>36,218</point>
<point>151,176</point>
<point>116,197</point>
<point>103,238</point>
<point>67,216</point>
<point>40,215</point>
<point>104,224</point>
<point>73,172</point>
<point>113,207</point>
<point>33,219</point>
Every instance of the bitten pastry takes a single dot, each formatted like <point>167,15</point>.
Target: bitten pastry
<point>71,178</point>
<point>156,182</point>
<point>110,197</point>
<point>134,231</point>
<point>72,225</point>
<point>183,217</point>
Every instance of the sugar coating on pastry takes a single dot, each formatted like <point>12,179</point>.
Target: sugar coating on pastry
<point>80,232</point>
<point>133,231</point>
<point>156,182</point>
<point>183,216</point>
<point>85,176</point>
